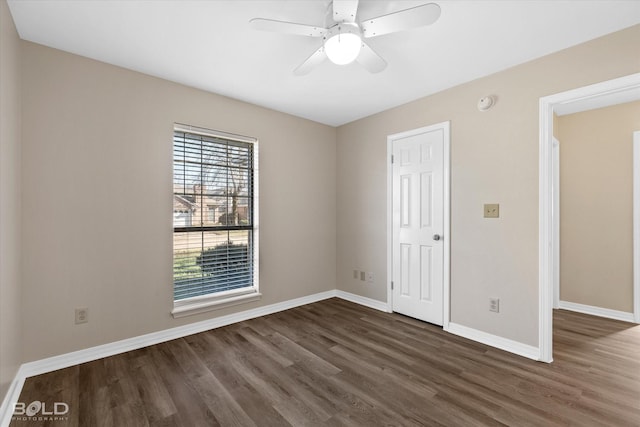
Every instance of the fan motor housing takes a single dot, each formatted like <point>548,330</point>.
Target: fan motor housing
<point>343,28</point>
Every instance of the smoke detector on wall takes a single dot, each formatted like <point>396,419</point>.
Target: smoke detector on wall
<point>486,102</point>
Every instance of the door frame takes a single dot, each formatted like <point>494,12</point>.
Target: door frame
<point>556,222</point>
<point>446,180</point>
<point>636,226</point>
<point>589,97</point>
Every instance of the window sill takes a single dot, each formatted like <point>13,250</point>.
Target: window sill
<point>197,305</point>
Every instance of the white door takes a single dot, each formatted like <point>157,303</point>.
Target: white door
<point>418,222</point>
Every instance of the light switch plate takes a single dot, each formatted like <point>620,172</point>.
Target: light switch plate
<point>492,210</point>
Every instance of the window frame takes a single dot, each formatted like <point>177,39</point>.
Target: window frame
<point>213,301</point>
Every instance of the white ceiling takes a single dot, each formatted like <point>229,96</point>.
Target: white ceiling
<point>209,45</point>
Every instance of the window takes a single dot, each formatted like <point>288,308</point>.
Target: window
<point>214,219</point>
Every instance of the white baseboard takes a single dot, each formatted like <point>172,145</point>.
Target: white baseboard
<point>367,302</point>
<point>93,353</point>
<point>10,399</point>
<point>49,364</point>
<point>597,311</point>
<point>505,344</point>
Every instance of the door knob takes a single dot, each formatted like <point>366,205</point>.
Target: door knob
<point>436,237</point>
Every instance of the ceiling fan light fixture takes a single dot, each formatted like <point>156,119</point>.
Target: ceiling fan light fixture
<point>343,37</point>
<point>343,46</point>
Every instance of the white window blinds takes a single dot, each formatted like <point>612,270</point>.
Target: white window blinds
<point>213,195</point>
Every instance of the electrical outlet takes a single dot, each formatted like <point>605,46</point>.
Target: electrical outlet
<point>82,315</point>
<point>492,210</point>
<point>356,274</point>
<point>370,277</point>
<point>494,305</point>
<point>362,276</point>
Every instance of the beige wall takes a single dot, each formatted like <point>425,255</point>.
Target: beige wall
<point>596,206</point>
<point>10,330</point>
<point>97,151</point>
<point>494,159</point>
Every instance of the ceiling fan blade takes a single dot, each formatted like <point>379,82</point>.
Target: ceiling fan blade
<point>345,10</point>
<point>370,60</point>
<point>287,27</point>
<point>311,62</point>
<point>406,19</point>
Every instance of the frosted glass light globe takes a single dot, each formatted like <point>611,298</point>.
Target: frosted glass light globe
<point>343,48</point>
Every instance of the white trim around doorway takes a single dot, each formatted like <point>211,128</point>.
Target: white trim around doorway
<point>636,227</point>
<point>564,101</point>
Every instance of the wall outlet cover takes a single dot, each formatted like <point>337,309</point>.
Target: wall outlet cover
<point>492,210</point>
<point>82,315</point>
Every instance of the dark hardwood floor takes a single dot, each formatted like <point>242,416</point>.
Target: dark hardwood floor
<point>336,363</point>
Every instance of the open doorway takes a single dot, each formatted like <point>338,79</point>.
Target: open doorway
<point>593,236</point>
<point>611,92</point>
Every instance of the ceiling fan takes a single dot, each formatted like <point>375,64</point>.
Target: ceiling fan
<point>342,37</point>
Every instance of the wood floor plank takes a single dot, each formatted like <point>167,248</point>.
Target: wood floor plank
<point>335,363</point>
<point>214,395</point>
<point>265,346</point>
<point>218,360</point>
